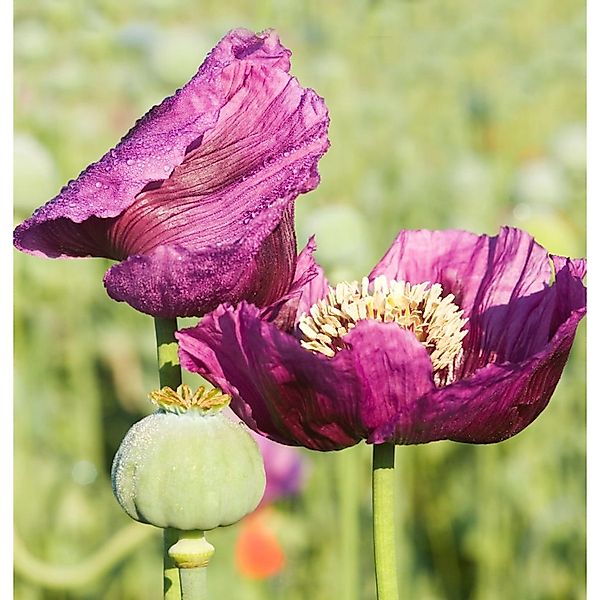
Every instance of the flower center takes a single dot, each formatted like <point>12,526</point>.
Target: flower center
<point>434,319</point>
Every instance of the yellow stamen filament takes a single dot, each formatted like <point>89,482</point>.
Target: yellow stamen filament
<point>435,320</point>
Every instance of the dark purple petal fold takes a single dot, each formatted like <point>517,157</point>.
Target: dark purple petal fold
<point>174,281</point>
<point>393,369</point>
<point>296,397</point>
<point>279,389</point>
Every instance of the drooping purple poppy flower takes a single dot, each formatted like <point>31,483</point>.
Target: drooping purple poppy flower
<point>452,336</point>
<point>197,199</point>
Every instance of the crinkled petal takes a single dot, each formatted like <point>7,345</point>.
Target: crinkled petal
<point>570,293</point>
<point>293,396</point>
<point>456,259</point>
<point>308,286</point>
<point>479,270</point>
<point>173,281</point>
<point>527,321</point>
<point>197,169</point>
<point>497,402</point>
<point>495,281</point>
<point>394,370</point>
<point>279,389</point>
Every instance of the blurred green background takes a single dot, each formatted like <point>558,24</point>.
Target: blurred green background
<point>468,114</point>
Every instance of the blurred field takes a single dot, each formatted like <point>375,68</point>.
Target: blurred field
<point>443,114</point>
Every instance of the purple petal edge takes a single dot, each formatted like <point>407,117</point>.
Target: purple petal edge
<point>501,399</point>
<point>155,145</point>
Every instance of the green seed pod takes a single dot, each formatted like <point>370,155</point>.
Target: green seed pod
<point>188,466</point>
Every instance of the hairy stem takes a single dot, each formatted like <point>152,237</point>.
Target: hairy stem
<point>383,522</point>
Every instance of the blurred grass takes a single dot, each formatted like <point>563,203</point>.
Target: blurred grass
<point>464,114</point>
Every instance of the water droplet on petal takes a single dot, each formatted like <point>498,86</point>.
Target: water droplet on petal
<point>98,184</point>
<point>130,161</point>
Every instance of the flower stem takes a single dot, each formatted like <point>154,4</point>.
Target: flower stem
<point>171,583</point>
<point>349,510</point>
<point>169,374</point>
<point>383,522</point>
<point>169,370</point>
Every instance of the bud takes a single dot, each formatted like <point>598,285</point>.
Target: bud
<point>188,466</point>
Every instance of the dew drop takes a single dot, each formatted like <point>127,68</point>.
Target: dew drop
<point>98,184</point>
<point>130,161</point>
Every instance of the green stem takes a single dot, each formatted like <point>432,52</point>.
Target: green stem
<point>349,486</point>
<point>193,584</point>
<point>191,554</point>
<point>169,370</point>
<point>68,577</point>
<point>383,522</point>
<point>169,374</point>
<point>171,584</point>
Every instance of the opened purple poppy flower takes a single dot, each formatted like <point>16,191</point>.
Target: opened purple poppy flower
<point>452,336</point>
<point>197,199</point>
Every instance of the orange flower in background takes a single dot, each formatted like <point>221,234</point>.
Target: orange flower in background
<point>258,554</point>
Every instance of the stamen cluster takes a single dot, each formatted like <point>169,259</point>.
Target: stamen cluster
<point>435,320</point>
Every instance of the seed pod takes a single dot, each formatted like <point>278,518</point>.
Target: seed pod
<point>188,466</point>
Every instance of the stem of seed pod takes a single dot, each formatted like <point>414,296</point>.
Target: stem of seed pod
<point>169,374</point>
<point>191,554</point>
<point>193,584</point>
<point>383,522</point>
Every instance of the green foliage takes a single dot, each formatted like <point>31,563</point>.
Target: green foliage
<point>443,114</point>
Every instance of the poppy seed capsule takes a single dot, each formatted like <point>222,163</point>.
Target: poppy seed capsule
<point>188,466</point>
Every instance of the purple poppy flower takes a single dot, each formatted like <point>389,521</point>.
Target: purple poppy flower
<point>452,336</point>
<point>285,469</point>
<point>197,199</point>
